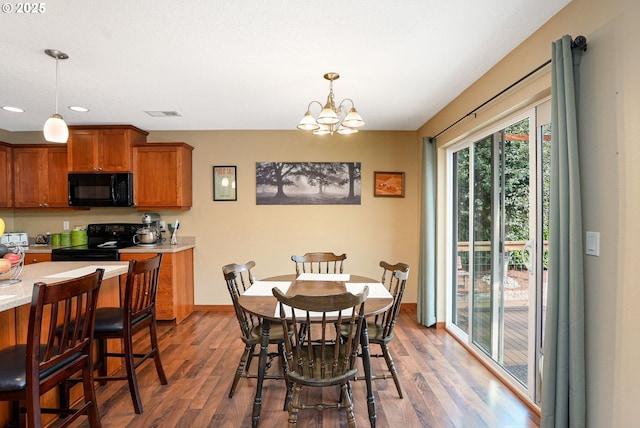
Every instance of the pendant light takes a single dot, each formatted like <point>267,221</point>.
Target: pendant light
<point>55,129</point>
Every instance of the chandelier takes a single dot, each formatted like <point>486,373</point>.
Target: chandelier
<point>332,119</point>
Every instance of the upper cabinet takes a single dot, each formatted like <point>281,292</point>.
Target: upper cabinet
<point>40,176</point>
<point>162,176</point>
<point>105,148</point>
<point>6,176</point>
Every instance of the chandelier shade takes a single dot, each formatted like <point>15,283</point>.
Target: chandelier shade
<point>55,129</point>
<point>331,118</point>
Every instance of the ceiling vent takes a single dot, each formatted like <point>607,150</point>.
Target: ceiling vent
<point>163,113</point>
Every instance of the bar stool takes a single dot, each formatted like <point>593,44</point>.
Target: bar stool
<point>138,312</point>
<point>49,357</point>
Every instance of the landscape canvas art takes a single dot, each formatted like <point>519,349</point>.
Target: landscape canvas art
<point>308,183</point>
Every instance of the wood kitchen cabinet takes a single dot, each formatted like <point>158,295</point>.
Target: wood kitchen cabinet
<point>6,176</point>
<point>31,258</point>
<point>162,176</point>
<point>175,284</point>
<point>40,176</point>
<point>104,148</point>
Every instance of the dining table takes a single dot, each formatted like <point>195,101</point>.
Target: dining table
<point>259,300</point>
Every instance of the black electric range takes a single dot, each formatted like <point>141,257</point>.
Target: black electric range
<point>104,240</point>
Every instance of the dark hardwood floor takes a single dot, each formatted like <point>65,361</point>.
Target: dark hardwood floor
<point>444,385</point>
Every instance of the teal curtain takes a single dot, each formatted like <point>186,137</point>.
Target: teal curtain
<point>426,306</point>
<point>563,380</point>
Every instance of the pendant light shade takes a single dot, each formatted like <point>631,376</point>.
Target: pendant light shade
<point>55,129</point>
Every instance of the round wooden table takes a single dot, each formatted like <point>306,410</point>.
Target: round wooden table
<point>264,306</point>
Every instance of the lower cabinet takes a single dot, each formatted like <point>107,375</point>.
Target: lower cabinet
<point>31,258</point>
<point>175,285</point>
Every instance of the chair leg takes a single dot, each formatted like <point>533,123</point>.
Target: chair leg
<point>241,368</point>
<point>347,402</point>
<point>18,418</point>
<point>392,368</point>
<point>283,362</point>
<point>131,373</point>
<point>102,360</point>
<point>250,358</point>
<point>156,354</point>
<point>34,412</point>
<point>294,406</point>
<point>93,413</point>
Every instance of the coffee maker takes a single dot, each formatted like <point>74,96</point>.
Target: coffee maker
<point>151,232</point>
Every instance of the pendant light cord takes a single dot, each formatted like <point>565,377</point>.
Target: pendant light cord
<point>57,85</point>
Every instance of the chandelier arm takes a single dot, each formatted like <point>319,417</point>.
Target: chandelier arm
<point>314,102</point>
<point>347,99</point>
<point>343,110</point>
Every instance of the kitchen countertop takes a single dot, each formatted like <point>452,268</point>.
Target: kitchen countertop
<point>14,295</point>
<point>184,243</point>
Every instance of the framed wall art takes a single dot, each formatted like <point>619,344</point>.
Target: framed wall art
<point>388,184</point>
<point>224,183</point>
<point>308,183</point>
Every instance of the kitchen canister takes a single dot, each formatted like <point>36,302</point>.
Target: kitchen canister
<point>79,237</point>
<point>65,239</point>
<point>55,240</point>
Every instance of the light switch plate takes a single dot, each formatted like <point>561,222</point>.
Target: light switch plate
<point>593,244</point>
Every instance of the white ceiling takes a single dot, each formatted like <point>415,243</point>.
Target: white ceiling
<point>252,64</point>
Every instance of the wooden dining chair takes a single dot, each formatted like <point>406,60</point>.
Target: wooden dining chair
<point>239,278</point>
<point>319,359</point>
<point>29,370</point>
<point>137,313</point>
<point>319,263</point>
<point>380,327</point>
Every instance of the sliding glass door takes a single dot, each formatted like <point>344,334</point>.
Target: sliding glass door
<point>496,264</point>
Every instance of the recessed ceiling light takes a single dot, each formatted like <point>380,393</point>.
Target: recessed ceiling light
<point>13,109</point>
<point>78,108</point>
<point>157,113</point>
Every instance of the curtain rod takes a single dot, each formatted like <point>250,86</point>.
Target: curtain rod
<point>580,42</point>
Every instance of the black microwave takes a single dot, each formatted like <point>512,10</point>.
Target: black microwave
<point>100,189</point>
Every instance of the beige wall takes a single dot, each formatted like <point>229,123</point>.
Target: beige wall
<point>609,154</point>
<point>227,232</point>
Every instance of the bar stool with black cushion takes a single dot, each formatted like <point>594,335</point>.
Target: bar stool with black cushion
<point>47,359</point>
<point>137,313</point>
<point>380,327</point>
<point>239,278</point>
<point>324,361</point>
<point>324,262</point>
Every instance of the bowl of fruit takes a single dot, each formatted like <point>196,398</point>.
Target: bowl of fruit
<point>11,264</point>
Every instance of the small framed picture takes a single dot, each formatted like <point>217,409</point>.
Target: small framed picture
<point>224,183</point>
<point>388,184</point>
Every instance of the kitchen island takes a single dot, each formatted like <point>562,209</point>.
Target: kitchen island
<point>15,295</point>
<point>176,283</point>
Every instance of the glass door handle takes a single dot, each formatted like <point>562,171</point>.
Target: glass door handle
<point>526,254</point>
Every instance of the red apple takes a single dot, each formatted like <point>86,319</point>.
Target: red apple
<point>13,258</point>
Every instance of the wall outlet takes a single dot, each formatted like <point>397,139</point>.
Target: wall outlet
<point>163,226</point>
<point>65,225</point>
